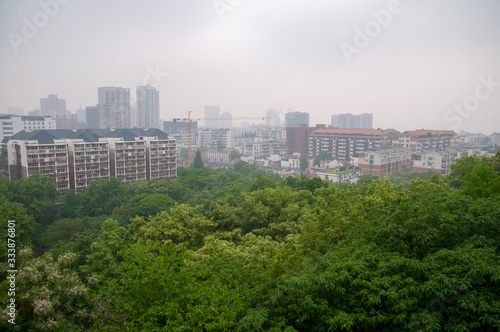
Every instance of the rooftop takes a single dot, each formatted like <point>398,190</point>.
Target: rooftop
<point>88,135</point>
<point>425,132</point>
<point>356,132</point>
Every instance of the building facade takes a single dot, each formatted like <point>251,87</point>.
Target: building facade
<point>52,104</point>
<point>216,156</point>
<point>385,162</point>
<point>11,124</point>
<point>293,119</point>
<point>76,158</point>
<point>350,121</point>
<point>435,161</point>
<point>148,107</point>
<point>344,144</point>
<point>419,140</point>
<point>297,138</point>
<point>114,108</point>
<point>173,127</point>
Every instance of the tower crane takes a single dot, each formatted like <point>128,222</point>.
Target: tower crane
<point>189,120</point>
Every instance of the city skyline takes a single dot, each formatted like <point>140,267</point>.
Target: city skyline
<point>254,57</point>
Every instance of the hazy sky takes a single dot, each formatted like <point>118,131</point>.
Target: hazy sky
<point>420,61</point>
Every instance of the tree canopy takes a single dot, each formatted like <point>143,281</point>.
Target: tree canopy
<point>234,250</point>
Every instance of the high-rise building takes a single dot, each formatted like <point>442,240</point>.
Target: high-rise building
<point>349,121</point>
<point>293,119</point>
<point>93,117</point>
<point>366,121</point>
<point>212,114</point>
<point>114,107</point>
<point>52,104</point>
<point>226,120</point>
<point>148,107</point>
<point>273,118</point>
<point>81,116</point>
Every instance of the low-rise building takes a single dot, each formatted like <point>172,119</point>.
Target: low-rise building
<point>350,175</point>
<point>423,139</point>
<point>11,124</point>
<point>385,162</point>
<point>435,161</point>
<point>216,156</point>
<point>344,144</point>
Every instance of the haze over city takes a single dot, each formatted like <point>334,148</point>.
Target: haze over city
<point>250,56</point>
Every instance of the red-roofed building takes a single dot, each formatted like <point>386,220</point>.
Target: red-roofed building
<point>343,144</point>
<point>418,140</point>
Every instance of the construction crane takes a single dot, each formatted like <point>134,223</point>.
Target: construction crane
<point>189,120</point>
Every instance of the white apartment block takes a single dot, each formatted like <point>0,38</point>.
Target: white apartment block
<point>76,158</point>
<point>12,124</point>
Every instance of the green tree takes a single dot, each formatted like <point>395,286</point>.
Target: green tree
<point>198,163</point>
<point>62,230</point>
<point>23,230</point>
<point>71,205</point>
<point>323,155</point>
<point>461,167</point>
<point>304,163</point>
<point>39,195</point>
<point>234,154</point>
<point>102,196</point>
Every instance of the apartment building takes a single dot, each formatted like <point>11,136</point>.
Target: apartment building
<point>385,162</point>
<point>343,144</point>
<point>216,156</point>
<point>11,124</point>
<point>435,161</point>
<point>76,158</point>
<point>214,139</point>
<point>419,140</point>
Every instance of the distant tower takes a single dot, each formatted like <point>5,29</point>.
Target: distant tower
<point>93,117</point>
<point>293,119</point>
<point>272,118</point>
<point>349,121</point>
<point>114,107</point>
<point>212,113</point>
<point>81,115</point>
<point>52,104</point>
<point>366,121</point>
<point>148,107</point>
<point>226,120</point>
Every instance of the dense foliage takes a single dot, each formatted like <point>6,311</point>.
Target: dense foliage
<point>234,250</point>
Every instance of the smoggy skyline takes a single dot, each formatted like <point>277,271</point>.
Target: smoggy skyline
<point>413,64</point>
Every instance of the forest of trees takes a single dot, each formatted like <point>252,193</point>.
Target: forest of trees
<point>234,250</point>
